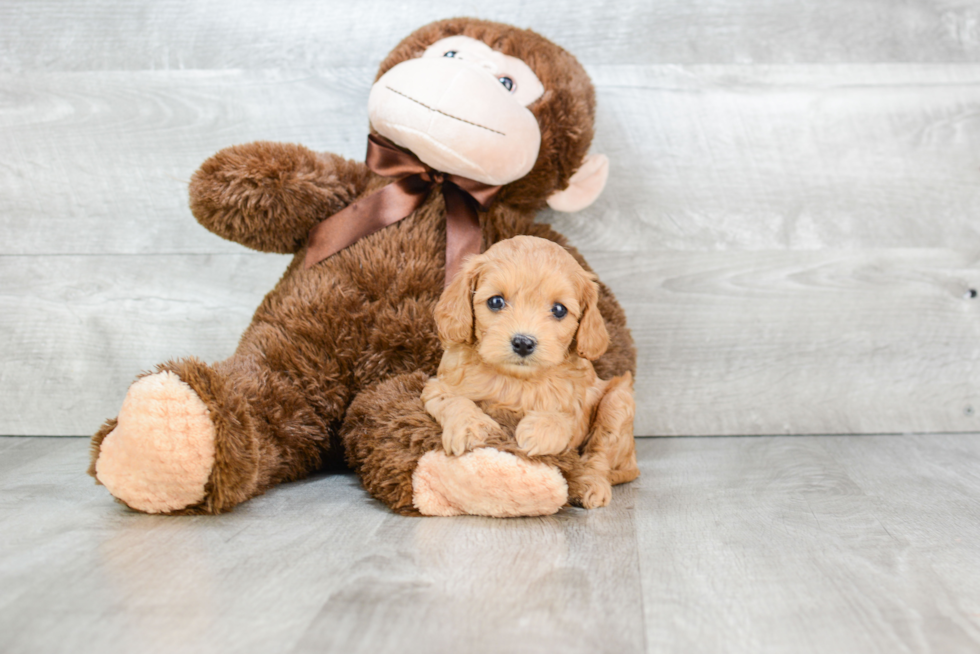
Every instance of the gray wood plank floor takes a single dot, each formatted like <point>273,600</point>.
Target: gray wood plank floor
<point>768,544</point>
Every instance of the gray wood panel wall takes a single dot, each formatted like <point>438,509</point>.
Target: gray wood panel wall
<point>793,219</point>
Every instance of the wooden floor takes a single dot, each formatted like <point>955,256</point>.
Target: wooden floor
<point>767,544</point>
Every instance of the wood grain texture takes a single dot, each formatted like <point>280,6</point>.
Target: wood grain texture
<point>936,511</point>
<point>77,330</point>
<point>770,544</point>
<point>838,342</point>
<point>729,342</point>
<point>806,544</point>
<point>795,157</point>
<point>117,34</point>
<point>565,583</point>
<point>704,158</point>
<point>98,163</point>
<point>311,566</point>
<point>791,219</point>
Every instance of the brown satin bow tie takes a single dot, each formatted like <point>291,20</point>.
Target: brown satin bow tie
<point>413,182</point>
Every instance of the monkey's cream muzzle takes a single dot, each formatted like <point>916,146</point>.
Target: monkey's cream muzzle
<point>455,115</point>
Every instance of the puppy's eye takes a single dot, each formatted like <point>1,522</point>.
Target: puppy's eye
<point>559,311</point>
<point>496,303</point>
<point>450,54</point>
<point>507,82</point>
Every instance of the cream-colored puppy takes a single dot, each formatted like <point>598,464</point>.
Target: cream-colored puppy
<point>520,325</point>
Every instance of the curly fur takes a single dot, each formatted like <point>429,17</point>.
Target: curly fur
<point>551,392</point>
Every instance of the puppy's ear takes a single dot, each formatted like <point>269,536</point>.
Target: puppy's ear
<point>454,312</point>
<point>591,339</point>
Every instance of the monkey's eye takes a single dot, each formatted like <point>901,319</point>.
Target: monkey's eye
<point>507,82</point>
<point>451,53</point>
<point>496,303</point>
<point>559,311</point>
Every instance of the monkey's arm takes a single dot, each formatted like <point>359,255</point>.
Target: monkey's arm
<point>267,196</point>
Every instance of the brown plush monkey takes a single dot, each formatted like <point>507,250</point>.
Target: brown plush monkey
<point>336,356</point>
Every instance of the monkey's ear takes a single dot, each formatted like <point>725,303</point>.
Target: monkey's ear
<point>454,311</point>
<point>584,186</point>
<point>591,339</point>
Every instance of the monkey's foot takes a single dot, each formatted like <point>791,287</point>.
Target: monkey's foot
<point>159,457</point>
<point>486,482</point>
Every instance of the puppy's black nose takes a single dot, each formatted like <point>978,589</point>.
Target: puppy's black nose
<point>523,345</point>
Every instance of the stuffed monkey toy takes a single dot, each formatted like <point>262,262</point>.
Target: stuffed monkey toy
<point>475,127</point>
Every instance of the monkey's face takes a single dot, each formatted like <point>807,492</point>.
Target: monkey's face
<point>462,108</point>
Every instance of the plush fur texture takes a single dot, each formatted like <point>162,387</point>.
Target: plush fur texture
<point>336,356</point>
<point>565,113</point>
<point>486,482</point>
<point>169,469</point>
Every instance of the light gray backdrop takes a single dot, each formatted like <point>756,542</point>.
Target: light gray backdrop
<point>792,222</point>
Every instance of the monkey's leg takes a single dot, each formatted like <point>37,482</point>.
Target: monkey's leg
<point>194,438</point>
<point>396,448</point>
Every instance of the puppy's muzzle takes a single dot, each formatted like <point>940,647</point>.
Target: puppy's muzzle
<point>523,345</point>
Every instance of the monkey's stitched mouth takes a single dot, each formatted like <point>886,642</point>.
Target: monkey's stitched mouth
<point>462,120</point>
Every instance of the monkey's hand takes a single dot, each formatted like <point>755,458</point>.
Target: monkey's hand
<point>267,196</point>
<point>544,432</point>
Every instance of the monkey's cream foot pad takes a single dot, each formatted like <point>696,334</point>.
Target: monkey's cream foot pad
<point>159,456</point>
<point>486,482</point>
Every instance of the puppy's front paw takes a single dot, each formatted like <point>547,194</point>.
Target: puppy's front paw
<point>599,493</point>
<point>543,433</point>
<point>467,431</point>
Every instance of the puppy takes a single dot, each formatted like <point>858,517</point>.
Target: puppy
<point>520,327</point>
